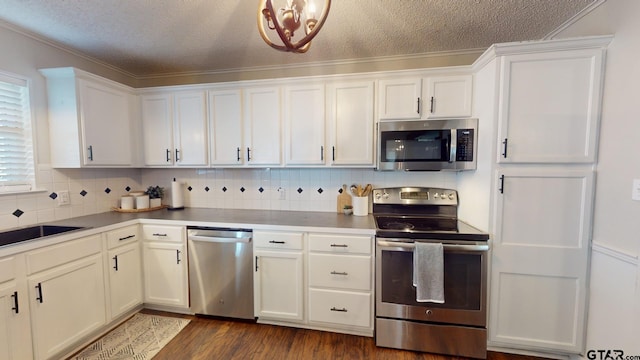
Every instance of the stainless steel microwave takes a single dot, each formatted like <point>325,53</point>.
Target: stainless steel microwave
<point>427,145</point>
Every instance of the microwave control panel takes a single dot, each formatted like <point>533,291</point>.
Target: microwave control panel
<point>464,146</point>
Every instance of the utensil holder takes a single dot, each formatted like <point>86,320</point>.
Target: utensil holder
<point>360,205</point>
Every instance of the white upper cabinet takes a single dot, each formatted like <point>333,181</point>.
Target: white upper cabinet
<point>190,127</point>
<point>225,127</point>
<point>433,97</point>
<point>262,126</point>
<point>550,106</point>
<point>304,114</point>
<point>447,96</point>
<point>158,136</point>
<point>90,120</point>
<point>350,123</point>
<point>174,125</point>
<point>399,98</point>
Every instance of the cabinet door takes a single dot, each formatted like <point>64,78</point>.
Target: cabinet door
<point>400,98</point>
<point>67,304</point>
<point>225,127</point>
<point>165,274</point>
<point>540,259</point>
<point>278,284</point>
<point>304,125</point>
<point>190,129</point>
<point>549,107</point>
<point>125,278</point>
<point>448,96</point>
<point>157,121</point>
<point>15,335</point>
<point>106,124</point>
<point>350,123</point>
<point>262,126</point>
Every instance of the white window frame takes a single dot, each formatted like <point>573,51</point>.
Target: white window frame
<point>27,184</point>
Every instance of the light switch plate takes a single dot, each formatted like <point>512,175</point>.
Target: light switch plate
<point>63,198</point>
<point>635,191</point>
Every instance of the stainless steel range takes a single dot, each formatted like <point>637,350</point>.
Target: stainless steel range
<point>458,326</point>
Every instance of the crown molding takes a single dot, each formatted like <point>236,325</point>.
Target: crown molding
<point>62,47</point>
<point>572,20</point>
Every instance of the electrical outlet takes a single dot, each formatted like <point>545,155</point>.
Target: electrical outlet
<point>635,191</point>
<point>283,193</point>
<point>63,198</point>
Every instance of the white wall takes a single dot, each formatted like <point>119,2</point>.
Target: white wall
<point>614,313</point>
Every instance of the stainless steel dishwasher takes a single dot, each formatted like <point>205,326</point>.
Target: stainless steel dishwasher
<point>220,271</point>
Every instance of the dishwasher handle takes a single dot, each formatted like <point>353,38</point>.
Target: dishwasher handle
<point>217,239</point>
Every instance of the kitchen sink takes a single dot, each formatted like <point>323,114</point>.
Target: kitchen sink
<point>33,232</point>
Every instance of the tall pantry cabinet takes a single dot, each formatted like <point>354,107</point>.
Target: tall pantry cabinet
<point>548,110</point>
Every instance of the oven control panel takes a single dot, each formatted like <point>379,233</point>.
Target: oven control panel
<point>415,195</point>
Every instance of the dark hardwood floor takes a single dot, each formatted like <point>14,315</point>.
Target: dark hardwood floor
<point>207,338</point>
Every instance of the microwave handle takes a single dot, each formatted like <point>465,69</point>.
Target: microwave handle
<point>453,139</point>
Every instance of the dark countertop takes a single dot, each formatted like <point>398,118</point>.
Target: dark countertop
<point>258,219</point>
<point>235,218</point>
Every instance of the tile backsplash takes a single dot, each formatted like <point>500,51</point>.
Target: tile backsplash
<point>98,190</point>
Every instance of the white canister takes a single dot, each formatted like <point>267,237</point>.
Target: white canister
<point>126,202</point>
<point>142,202</point>
<point>360,205</point>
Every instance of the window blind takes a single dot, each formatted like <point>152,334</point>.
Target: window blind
<point>16,146</point>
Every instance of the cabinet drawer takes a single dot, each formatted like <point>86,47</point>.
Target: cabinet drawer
<point>7,269</point>
<point>340,271</point>
<point>59,254</point>
<point>340,307</point>
<point>122,236</point>
<point>163,233</point>
<point>278,240</point>
<point>340,243</point>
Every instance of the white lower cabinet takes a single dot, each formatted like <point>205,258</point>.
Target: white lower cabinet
<point>279,275</point>
<point>124,269</point>
<point>165,266</point>
<point>340,307</point>
<point>539,269</point>
<point>15,331</point>
<point>341,282</point>
<point>66,294</point>
<point>325,285</point>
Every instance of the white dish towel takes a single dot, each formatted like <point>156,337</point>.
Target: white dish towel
<point>428,272</point>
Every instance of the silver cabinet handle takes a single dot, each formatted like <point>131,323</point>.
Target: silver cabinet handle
<point>160,235</point>
<point>126,237</point>
<point>339,245</point>
<point>168,155</point>
<point>90,148</point>
<point>276,242</point>
<point>343,273</point>
<point>178,257</point>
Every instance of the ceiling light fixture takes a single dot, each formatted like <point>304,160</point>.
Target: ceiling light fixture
<point>288,19</point>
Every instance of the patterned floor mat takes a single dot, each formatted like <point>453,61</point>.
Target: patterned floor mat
<point>138,338</point>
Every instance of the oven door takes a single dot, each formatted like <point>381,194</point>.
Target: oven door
<point>465,283</point>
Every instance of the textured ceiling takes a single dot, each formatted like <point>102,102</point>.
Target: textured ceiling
<point>154,37</point>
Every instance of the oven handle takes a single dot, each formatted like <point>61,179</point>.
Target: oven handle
<point>406,245</point>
